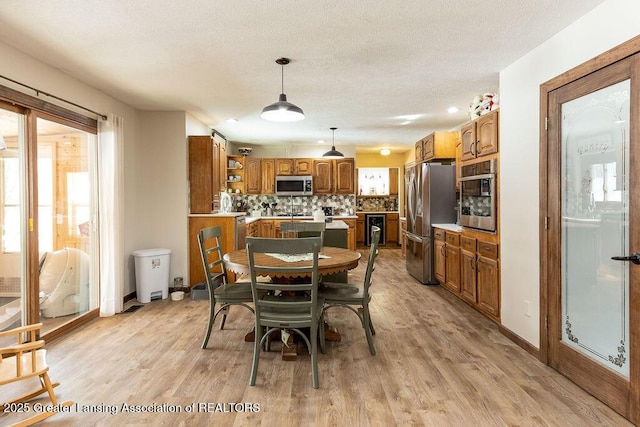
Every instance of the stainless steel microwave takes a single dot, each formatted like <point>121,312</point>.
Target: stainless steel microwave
<point>478,196</point>
<point>291,185</point>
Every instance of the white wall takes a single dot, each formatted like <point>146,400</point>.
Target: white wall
<point>608,25</point>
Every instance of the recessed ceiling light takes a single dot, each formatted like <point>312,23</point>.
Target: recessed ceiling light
<point>385,152</point>
<point>232,120</point>
<point>321,141</point>
<point>452,110</point>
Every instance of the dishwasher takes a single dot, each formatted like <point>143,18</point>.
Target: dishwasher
<point>240,232</point>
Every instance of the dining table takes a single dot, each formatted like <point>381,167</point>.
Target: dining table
<point>332,260</point>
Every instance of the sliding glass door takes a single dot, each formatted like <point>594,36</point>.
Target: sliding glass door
<point>66,223</point>
<point>48,214</point>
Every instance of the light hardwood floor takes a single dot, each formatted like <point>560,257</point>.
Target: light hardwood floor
<point>439,363</point>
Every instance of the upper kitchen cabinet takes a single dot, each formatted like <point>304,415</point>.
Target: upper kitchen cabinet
<point>439,145</point>
<point>252,175</point>
<point>334,176</point>
<point>322,176</point>
<point>284,167</point>
<point>480,137</point>
<point>393,181</point>
<point>344,176</point>
<point>205,172</point>
<point>436,146</point>
<point>294,166</point>
<point>268,176</point>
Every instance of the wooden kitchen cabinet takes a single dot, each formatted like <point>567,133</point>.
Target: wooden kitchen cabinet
<point>266,228</point>
<point>344,177</point>
<point>222,168</point>
<point>360,228</point>
<point>439,145</point>
<point>253,175</point>
<point>452,262</point>
<point>419,150</point>
<point>351,233</point>
<point>204,175</point>
<point>439,255</point>
<point>488,279</point>
<point>253,229</point>
<point>284,166</point>
<point>393,181</point>
<point>197,223</point>
<point>392,228</point>
<point>268,167</point>
<point>334,176</point>
<point>303,166</point>
<point>480,136</point>
<point>294,166</point>
<point>468,282</point>
<point>322,176</point>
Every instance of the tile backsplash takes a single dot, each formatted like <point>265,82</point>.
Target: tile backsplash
<point>377,204</point>
<point>305,205</point>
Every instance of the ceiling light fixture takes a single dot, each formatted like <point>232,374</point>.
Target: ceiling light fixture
<point>385,152</point>
<point>282,111</point>
<point>333,153</point>
<point>452,110</point>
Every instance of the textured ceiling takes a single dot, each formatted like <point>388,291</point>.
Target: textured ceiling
<point>382,72</point>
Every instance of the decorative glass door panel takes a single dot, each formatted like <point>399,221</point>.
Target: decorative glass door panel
<point>66,231</point>
<point>595,225</point>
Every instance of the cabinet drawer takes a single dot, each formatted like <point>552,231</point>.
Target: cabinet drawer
<point>453,239</point>
<point>488,250</point>
<point>438,234</point>
<point>468,243</point>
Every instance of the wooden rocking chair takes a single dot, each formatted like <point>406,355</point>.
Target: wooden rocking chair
<point>24,360</point>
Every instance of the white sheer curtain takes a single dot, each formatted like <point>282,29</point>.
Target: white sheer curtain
<point>110,145</point>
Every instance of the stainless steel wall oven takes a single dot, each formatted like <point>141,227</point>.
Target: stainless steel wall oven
<point>478,196</point>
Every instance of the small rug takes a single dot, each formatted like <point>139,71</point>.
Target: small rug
<point>132,309</point>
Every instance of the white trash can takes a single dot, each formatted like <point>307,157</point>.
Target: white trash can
<point>152,273</point>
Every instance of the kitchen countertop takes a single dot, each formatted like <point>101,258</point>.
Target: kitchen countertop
<point>450,227</point>
<point>336,218</point>
<point>377,212</point>
<point>220,215</point>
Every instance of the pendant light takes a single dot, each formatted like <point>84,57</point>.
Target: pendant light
<point>333,153</point>
<point>282,111</point>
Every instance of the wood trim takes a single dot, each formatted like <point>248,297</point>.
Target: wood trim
<point>67,327</point>
<point>79,120</point>
<point>521,342</point>
<point>548,251</point>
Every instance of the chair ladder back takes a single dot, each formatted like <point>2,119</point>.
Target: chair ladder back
<point>210,243</point>
<point>373,252</point>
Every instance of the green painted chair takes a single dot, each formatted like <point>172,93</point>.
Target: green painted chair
<point>288,304</point>
<point>303,229</point>
<point>355,297</point>
<point>220,291</point>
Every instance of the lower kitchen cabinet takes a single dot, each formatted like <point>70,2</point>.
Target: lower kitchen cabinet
<point>360,226</point>
<point>488,279</point>
<point>439,255</point>
<point>469,267</point>
<point>392,228</point>
<point>452,262</point>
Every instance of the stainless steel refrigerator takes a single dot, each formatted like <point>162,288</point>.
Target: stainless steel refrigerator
<point>431,199</point>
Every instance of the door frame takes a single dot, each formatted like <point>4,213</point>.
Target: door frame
<point>547,221</point>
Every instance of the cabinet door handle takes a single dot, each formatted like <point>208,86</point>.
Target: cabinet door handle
<point>478,147</point>
<point>473,148</point>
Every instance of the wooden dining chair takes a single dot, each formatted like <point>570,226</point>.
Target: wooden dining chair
<point>220,290</point>
<point>288,304</point>
<point>355,297</point>
<point>22,361</point>
<point>303,229</point>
